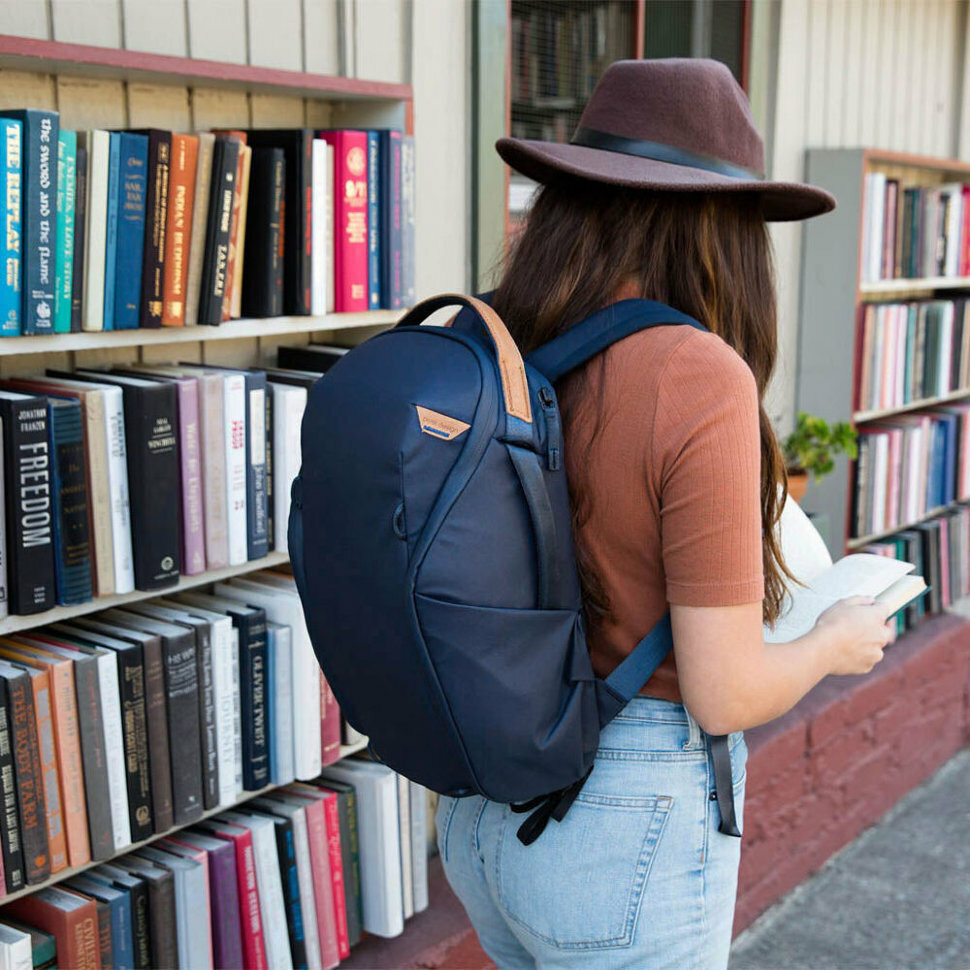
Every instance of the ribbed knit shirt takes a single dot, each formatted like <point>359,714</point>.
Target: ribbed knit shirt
<point>671,484</point>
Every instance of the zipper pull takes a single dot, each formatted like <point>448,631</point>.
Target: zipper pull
<point>553,429</point>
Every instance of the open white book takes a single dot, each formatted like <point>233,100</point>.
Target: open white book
<point>890,581</point>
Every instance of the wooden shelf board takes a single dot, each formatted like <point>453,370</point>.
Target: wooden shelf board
<point>83,60</point>
<point>12,624</point>
<point>231,330</point>
<point>881,156</point>
<point>877,536</point>
<point>860,417</point>
<point>880,287</point>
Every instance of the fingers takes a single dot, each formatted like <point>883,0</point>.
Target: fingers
<point>859,600</point>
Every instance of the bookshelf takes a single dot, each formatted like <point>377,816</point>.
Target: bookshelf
<point>111,88</point>
<point>835,298</point>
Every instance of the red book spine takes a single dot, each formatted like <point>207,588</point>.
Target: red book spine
<point>323,890</point>
<point>337,874</point>
<point>329,724</point>
<point>965,233</point>
<point>254,946</point>
<point>350,219</point>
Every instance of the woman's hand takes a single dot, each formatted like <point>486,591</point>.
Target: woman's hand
<point>856,631</point>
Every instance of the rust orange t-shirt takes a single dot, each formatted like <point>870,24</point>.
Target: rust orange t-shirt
<point>671,481</point>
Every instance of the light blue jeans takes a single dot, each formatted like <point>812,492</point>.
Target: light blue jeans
<point>636,876</point>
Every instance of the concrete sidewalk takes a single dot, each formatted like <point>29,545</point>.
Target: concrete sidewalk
<point>897,898</point>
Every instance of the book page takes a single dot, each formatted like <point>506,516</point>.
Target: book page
<point>802,609</point>
<point>861,574</point>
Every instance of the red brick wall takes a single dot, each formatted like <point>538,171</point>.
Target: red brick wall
<point>842,757</point>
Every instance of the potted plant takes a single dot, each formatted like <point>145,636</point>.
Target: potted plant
<point>812,447</point>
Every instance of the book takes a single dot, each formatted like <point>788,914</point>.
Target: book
<point>321,194</point>
<point>408,208</point>
<point>121,947</point>
<point>242,175</point>
<point>39,217</point>
<point>11,173</point>
<point>16,950</point>
<point>235,297</point>
<point>418,796</point>
<point>391,270</point>
<point>64,262</point>
<point>262,282</point>
<point>29,504</point>
<point>279,717</point>
<point>297,145</point>
<point>197,240</point>
<point>137,891</point>
<point>80,232</point>
<point>11,842</point>
<point>156,217</point>
<point>111,229</point>
<point>222,193</point>
<point>350,218</point>
<point>97,144</point>
<point>376,209</point>
<point>69,491</point>
<point>314,358</point>
<point>163,928</point>
<point>43,949</point>
<point>289,403</point>
<point>179,228</point>
<point>132,201</point>
<point>69,918</point>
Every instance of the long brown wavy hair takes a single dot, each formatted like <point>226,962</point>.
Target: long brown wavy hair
<point>706,254</point>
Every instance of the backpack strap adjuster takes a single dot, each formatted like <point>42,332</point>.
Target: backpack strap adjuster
<point>555,805</point>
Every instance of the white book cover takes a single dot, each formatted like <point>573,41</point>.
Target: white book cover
<point>418,795</point>
<point>866,227</point>
<point>946,348</point>
<point>4,606</point>
<point>879,476</point>
<point>283,606</point>
<point>320,191</point>
<point>289,403</point>
<point>304,872</point>
<point>328,232</point>
<point>379,838</point>
<point>953,193</point>
<point>200,213</point>
<point>279,641</point>
<point>114,418</point>
<point>236,714</point>
<point>890,581</point>
<point>269,887</point>
<point>404,836</point>
<point>114,747</point>
<point>193,933</point>
<point>235,445</point>
<point>96,235</point>
<point>878,216</point>
<point>16,952</point>
<point>222,690</point>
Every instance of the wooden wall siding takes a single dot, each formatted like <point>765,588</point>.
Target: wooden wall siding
<point>95,22</point>
<point>217,30</point>
<point>851,73</point>
<point>26,18</point>
<point>155,25</point>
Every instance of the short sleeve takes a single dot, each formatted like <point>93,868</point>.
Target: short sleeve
<point>706,446</point>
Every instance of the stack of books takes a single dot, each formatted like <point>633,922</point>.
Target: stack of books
<point>914,231</point>
<point>151,228</point>
<point>127,479</point>
<point>910,465</point>
<point>912,351</point>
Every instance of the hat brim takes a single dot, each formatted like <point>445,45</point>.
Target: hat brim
<point>545,162</point>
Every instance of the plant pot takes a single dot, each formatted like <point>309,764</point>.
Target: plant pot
<point>797,484</point>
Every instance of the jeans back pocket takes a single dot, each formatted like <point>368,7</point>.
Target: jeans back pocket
<point>581,883</point>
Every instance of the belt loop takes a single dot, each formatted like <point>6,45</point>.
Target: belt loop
<point>695,735</point>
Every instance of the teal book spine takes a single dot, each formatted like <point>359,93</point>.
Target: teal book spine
<point>132,198</point>
<point>11,176</point>
<point>111,244</point>
<point>64,265</point>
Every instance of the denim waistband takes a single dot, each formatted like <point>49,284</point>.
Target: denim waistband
<point>672,724</point>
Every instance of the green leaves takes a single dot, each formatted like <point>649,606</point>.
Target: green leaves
<point>813,445</point>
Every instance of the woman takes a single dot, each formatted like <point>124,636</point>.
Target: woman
<point>676,486</point>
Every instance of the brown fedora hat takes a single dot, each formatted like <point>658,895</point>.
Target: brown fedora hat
<point>674,123</point>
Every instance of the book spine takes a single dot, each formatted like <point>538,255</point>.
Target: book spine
<point>156,712</point>
<point>153,477</point>
<point>214,478</point>
<point>185,153</point>
<point>257,535</point>
<point>254,945</point>
<point>193,535</point>
<point>329,723</point>
<point>4,587</point>
<point>350,836</point>
<point>290,882</point>
<point>226,310</point>
<point>29,506</point>
<point>80,237</point>
<point>11,845</point>
<point>234,429</point>
<point>326,910</point>
<point>252,675</point>
<point>111,230</point>
<point>225,165</point>
<point>281,732</point>
<point>337,874</point>
<point>132,199</point>
<point>209,750</point>
<point>68,742</point>
<point>156,215</point>
<point>268,438</point>
<point>182,695</point>
<point>197,238</point>
<point>224,896</point>
<point>99,148</point>
<point>408,249</point>
<point>320,192</point>
<point>111,719</point>
<point>328,233</point>
<point>64,269</point>
<point>39,220</point>
<point>373,221</point>
<point>122,557</point>
<point>12,175</point>
<point>30,781</point>
<point>396,269</point>
<point>131,683</point>
<point>350,220</point>
<point>235,298</point>
<point>93,756</point>
<point>70,494</point>
<point>223,653</point>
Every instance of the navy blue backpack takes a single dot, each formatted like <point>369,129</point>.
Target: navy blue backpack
<point>431,544</point>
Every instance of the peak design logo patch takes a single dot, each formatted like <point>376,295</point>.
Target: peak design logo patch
<point>439,425</point>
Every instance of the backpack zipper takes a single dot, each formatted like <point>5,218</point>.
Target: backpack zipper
<point>553,430</point>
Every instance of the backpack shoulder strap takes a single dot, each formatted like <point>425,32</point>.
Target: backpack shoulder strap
<point>588,337</point>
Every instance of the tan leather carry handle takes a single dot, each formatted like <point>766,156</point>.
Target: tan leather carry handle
<point>515,386</point>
